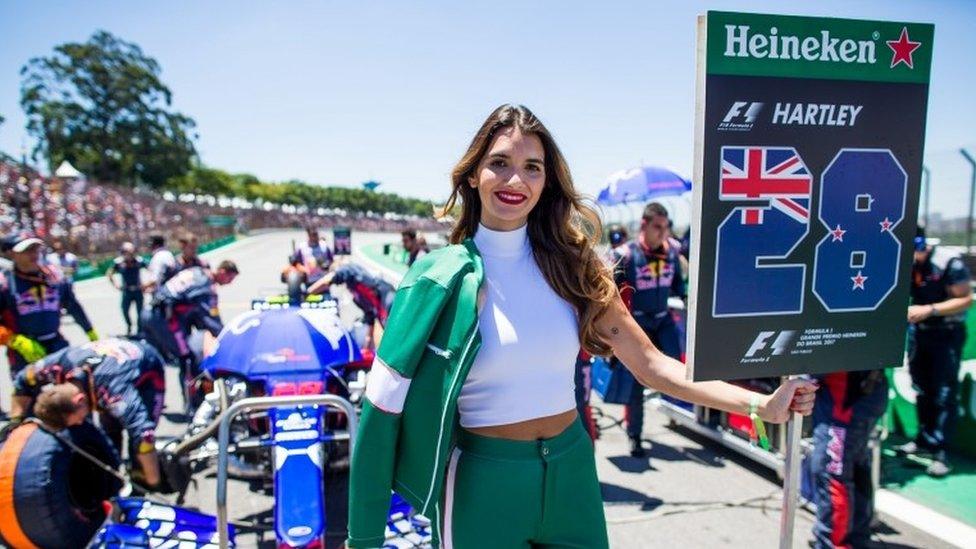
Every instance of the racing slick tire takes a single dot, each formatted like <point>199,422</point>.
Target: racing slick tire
<point>50,496</point>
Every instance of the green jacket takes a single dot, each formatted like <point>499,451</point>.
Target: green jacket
<point>410,414</point>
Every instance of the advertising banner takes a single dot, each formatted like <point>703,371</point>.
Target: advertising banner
<point>809,145</point>
<point>342,240</point>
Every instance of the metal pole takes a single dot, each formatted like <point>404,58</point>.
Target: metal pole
<point>263,403</point>
<point>972,198</point>
<point>928,187</point>
<point>791,480</point>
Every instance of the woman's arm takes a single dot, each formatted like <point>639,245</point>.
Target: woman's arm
<point>654,369</point>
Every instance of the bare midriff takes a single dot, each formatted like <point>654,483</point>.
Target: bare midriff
<point>532,429</point>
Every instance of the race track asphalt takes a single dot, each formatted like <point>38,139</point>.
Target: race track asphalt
<point>688,493</point>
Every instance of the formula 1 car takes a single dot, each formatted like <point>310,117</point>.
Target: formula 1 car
<point>284,382</point>
<point>139,522</point>
<point>281,409</point>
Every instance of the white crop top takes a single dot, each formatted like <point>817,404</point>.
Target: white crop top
<point>525,368</point>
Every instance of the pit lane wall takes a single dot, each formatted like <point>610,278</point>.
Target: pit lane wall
<point>87,270</point>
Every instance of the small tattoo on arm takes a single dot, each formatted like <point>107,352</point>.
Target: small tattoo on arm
<point>614,330</point>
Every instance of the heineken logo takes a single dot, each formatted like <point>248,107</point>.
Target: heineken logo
<point>741,41</point>
<point>903,49</point>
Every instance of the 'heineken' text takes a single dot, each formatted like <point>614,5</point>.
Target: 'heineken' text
<point>739,43</point>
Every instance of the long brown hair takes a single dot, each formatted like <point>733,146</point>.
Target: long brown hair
<point>562,229</point>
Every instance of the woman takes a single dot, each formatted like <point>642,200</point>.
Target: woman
<point>469,409</point>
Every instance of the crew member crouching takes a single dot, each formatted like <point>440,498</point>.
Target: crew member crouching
<point>121,380</point>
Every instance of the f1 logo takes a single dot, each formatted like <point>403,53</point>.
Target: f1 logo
<point>736,111</point>
<point>778,345</point>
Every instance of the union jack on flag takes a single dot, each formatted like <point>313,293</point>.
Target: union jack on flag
<point>774,174</point>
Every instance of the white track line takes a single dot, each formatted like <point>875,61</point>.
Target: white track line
<point>931,522</point>
<point>388,274</point>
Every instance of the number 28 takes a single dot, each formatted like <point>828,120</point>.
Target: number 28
<point>862,200</point>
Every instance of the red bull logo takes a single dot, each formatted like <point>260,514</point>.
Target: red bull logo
<point>281,356</point>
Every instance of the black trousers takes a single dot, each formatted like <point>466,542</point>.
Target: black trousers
<point>934,366</point>
<point>664,334</point>
<point>130,298</point>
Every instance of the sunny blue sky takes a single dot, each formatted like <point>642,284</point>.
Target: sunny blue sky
<point>342,92</point>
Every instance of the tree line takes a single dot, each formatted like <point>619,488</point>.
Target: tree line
<point>215,182</point>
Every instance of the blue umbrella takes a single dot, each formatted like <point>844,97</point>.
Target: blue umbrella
<point>282,341</point>
<point>641,185</point>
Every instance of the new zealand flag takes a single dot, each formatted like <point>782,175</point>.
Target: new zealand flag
<point>751,278</point>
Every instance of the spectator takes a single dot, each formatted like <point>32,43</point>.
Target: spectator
<point>93,219</point>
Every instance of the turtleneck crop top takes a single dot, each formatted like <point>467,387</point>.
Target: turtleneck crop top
<point>529,336</point>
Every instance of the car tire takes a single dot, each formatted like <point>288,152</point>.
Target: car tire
<point>50,495</point>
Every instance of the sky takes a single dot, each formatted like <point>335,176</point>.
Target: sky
<point>338,93</point>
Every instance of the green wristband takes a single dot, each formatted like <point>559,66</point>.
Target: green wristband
<point>757,424</point>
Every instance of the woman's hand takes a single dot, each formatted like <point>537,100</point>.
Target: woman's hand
<point>794,395</point>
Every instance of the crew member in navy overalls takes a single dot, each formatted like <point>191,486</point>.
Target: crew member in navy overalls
<point>372,294</point>
<point>847,407</point>
<point>189,257</point>
<point>120,379</point>
<point>31,298</point>
<point>648,272</point>
<point>129,267</point>
<point>186,301</point>
<point>941,295</point>
<point>314,256</point>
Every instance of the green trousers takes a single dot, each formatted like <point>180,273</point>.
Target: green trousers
<point>511,494</point>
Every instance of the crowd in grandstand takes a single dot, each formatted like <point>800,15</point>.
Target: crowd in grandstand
<point>92,219</point>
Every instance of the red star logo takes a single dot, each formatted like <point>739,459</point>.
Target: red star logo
<point>886,225</point>
<point>903,48</point>
<point>838,234</point>
<point>858,281</point>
